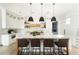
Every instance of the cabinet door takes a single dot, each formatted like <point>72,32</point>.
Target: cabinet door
<point>55,27</point>
<point>5,40</point>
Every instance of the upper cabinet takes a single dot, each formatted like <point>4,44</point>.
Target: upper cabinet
<point>13,20</point>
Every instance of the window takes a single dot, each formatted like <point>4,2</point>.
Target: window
<point>68,21</point>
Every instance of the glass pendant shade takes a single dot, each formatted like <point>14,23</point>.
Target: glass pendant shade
<point>30,18</point>
<point>53,18</point>
<point>41,19</point>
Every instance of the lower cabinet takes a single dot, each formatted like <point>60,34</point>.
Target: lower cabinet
<point>5,40</point>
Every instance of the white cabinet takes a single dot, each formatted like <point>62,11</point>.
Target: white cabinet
<point>14,20</point>
<point>5,39</point>
<point>12,40</point>
<point>14,23</point>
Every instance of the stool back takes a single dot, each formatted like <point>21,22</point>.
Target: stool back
<point>35,42</point>
<point>23,43</point>
<point>63,42</point>
<point>48,43</point>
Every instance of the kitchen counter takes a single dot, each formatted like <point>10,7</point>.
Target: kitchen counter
<point>40,36</point>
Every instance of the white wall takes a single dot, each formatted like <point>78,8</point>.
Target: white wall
<point>74,27</point>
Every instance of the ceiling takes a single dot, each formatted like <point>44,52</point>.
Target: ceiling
<point>24,8</point>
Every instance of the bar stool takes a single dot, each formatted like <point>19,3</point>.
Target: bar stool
<point>50,44</point>
<point>21,44</point>
<point>35,46</point>
<point>61,44</point>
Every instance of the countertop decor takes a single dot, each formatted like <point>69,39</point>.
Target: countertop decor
<point>34,33</point>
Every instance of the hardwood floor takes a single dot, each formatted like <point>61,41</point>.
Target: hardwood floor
<point>12,50</point>
<point>74,51</point>
<point>8,50</point>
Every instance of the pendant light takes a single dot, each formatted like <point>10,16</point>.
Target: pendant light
<point>30,18</point>
<point>53,18</point>
<point>41,18</point>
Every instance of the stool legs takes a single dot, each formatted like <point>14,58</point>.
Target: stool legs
<point>53,50</point>
<point>67,51</point>
<point>61,51</point>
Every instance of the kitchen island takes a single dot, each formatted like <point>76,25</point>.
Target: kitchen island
<point>41,38</point>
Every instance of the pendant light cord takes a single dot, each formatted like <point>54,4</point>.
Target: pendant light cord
<point>53,8</point>
<point>41,9</point>
<point>31,9</point>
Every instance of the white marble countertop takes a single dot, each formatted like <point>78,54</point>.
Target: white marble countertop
<point>40,36</point>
